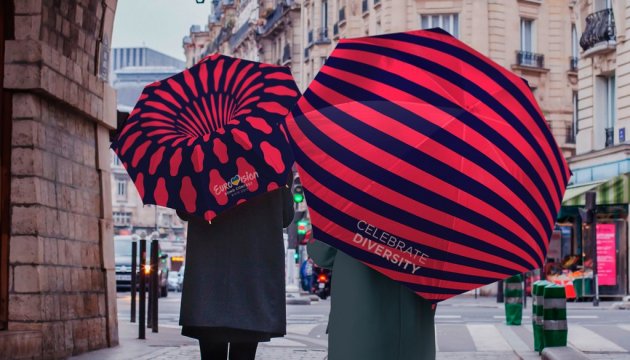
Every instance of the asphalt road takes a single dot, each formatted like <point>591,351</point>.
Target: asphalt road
<point>466,329</point>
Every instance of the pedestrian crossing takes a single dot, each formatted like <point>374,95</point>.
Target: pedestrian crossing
<point>519,339</point>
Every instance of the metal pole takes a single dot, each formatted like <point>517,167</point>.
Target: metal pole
<point>134,280</point>
<point>591,205</point>
<point>525,291</point>
<point>594,242</point>
<point>500,291</point>
<point>150,285</point>
<point>143,258</point>
<point>156,287</point>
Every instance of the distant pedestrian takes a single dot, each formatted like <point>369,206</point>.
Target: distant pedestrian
<point>371,316</point>
<point>234,293</point>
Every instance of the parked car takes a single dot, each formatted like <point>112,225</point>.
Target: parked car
<point>122,253</point>
<point>180,279</point>
<point>173,281</point>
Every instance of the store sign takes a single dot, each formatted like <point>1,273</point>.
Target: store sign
<point>606,255</point>
<point>555,247</point>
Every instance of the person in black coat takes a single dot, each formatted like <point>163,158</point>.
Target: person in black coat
<point>234,287</point>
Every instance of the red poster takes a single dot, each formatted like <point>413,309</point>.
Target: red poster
<point>606,255</point>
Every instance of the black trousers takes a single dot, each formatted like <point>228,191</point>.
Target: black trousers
<point>211,350</point>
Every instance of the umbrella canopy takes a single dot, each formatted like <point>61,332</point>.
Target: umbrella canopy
<point>428,162</point>
<point>211,136</point>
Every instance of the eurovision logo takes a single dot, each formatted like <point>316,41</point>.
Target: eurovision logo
<point>237,184</point>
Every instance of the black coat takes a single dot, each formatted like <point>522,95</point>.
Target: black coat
<point>234,285</point>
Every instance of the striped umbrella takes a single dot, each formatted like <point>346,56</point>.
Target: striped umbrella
<point>428,162</point>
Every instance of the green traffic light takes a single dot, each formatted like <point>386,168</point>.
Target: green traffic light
<point>301,227</point>
<point>298,198</point>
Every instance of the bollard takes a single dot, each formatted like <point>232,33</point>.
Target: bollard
<point>554,316</point>
<point>155,286</point>
<point>514,300</point>
<point>142,306</point>
<point>538,289</point>
<point>134,280</point>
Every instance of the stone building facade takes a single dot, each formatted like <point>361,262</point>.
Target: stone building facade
<point>57,281</point>
<point>536,39</point>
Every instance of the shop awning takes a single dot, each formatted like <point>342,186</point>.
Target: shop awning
<point>612,191</point>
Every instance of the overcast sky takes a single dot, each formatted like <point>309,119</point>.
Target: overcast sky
<point>158,24</point>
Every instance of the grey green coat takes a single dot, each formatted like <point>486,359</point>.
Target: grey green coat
<point>371,316</point>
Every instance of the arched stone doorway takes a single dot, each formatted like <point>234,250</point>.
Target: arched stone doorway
<point>57,281</point>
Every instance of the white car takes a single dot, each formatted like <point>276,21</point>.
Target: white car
<point>173,281</point>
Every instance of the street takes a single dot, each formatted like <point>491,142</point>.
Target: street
<point>466,328</point>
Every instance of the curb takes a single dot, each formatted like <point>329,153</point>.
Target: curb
<point>562,353</point>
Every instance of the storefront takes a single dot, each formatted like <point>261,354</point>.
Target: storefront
<point>571,253</point>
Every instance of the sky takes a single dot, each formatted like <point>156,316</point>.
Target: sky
<point>157,24</point>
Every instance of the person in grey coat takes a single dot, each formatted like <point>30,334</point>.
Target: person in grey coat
<point>371,316</point>
<point>234,287</point>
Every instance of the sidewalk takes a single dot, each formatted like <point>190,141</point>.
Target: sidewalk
<point>169,344</point>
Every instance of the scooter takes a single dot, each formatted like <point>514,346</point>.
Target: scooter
<point>322,283</point>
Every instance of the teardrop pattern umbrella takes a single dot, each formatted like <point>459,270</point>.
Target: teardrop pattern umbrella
<point>210,137</point>
<point>428,162</point>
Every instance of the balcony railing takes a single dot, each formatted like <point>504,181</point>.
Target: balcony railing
<point>529,59</point>
<point>286,54</point>
<point>273,19</point>
<point>342,14</point>
<point>237,38</point>
<point>364,6</point>
<point>610,137</point>
<point>335,30</point>
<point>573,64</point>
<point>570,139</point>
<point>322,36</point>
<point>600,27</point>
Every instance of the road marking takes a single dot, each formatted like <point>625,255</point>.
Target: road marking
<point>503,317</point>
<point>283,342</point>
<point>589,341</point>
<point>448,316</point>
<point>513,339</point>
<point>487,338</point>
<point>435,331</point>
<point>301,329</point>
<point>624,326</point>
<point>582,317</point>
<point>169,326</point>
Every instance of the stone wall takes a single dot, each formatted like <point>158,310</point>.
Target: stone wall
<point>62,281</point>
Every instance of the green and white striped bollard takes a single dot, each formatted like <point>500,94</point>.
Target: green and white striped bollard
<point>554,316</point>
<point>514,300</point>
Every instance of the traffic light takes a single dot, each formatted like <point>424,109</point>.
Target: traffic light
<point>301,227</point>
<point>298,194</point>
<point>296,257</point>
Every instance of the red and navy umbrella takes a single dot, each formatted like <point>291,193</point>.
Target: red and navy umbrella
<point>428,162</point>
<point>210,137</point>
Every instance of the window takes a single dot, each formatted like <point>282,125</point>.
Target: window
<point>574,42</point>
<point>122,218</point>
<point>324,15</point>
<point>602,5</point>
<point>448,22</point>
<point>167,220</point>
<point>575,112</point>
<point>527,35</point>
<point>605,111</point>
<point>116,159</point>
<point>121,187</point>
